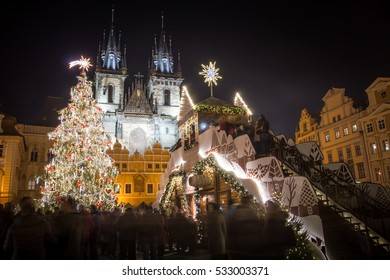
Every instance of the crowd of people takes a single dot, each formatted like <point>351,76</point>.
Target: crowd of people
<point>73,232</point>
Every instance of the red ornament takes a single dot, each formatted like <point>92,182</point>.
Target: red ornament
<point>78,183</point>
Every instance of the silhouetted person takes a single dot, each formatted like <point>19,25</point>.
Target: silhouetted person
<point>69,229</point>
<point>127,227</point>
<point>245,231</point>
<point>216,233</point>
<point>261,136</point>
<point>29,233</point>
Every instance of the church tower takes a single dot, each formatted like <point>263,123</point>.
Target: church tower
<point>164,79</point>
<point>111,72</point>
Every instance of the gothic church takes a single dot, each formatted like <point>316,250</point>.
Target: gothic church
<point>148,111</point>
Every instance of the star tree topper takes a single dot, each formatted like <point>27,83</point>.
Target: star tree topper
<point>210,75</point>
<point>83,63</point>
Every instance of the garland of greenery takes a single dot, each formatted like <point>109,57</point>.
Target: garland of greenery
<point>198,169</point>
<point>220,109</point>
<point>165,200</point>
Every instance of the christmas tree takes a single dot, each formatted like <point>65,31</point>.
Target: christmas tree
<point>80,167</point>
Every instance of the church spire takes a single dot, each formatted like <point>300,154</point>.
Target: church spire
<point>111,55</point>
<point>162,58</point>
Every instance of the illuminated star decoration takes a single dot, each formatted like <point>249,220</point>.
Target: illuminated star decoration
<point>82,62</point>
<point>210,75</point>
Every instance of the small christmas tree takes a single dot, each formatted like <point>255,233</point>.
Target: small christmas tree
<point>80,167</point>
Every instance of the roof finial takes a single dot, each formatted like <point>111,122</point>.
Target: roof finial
<point>112,14</point>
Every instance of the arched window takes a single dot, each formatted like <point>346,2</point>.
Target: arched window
<point>31,184</point>
<point>110,93</point>
<point>167,97</point>
<point>34,155</point>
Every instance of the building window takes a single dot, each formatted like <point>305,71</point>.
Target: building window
<point>124,165</point>
<point>167,97</point>
<point>34,155</point>
<point>338,117</point>
<point>167,130</point>
<point>385,145</point>
<point>327,137</point>
<point>158,186</point>
<point>157,166</point>
<point>349,152</point>
<point>150,188</point>
<point>377,174</point>
<point>128,188</point>
<point>150,166</point>
<point>358,152</point>
<point>334,119</point>
<point>369,128</point>
<point>164,165</point>
<point>340,155</point>
<point>373,148</point>
<point>337,134</point>
<point>354,128</point>
<point>31,185</point>
<point>361,172</point>
<point>110,94</point>
<point>388,172</point>
<point>381,124</point>
<point>383,94</point>
<point>304,126</point>
<point>346,131</point>
<point>1,150</point>
<point>330,157</point>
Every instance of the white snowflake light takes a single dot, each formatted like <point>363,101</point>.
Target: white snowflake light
<point>210,73</point>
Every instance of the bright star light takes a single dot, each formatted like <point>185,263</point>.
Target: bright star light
<point>83,62</point>
<point>210,73</point>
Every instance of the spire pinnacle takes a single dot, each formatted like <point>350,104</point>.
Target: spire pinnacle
<point>162,19</point>
<point>112,14</point>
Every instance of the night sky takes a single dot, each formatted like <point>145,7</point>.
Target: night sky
<point>281,57</point>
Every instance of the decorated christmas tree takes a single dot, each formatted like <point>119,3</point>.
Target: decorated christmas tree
<point>80,167</point>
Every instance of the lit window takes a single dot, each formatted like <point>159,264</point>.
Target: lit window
<point>378,174</point>
<point>385,145</point>
<point>157,166</point>
<point>1,150</point>
<point>150,166</point>
<point>124,165</point>
<point>31,184</point>
<point>354,128</point>
<point>373,148</point>
<point>337,134</point>
<point>381,124</point>
<point>327,137</point>
<point>346,131</point>
<point>150,188</point>
<point>369,128</point>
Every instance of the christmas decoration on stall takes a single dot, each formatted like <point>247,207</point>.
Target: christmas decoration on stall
<point>199,168</point>
<point>176,181</point>
<point>210,75</point>
<point>80,168</point>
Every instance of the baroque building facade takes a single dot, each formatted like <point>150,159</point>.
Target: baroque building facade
<point>358,137</point>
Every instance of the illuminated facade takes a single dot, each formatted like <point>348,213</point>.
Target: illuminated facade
<point>12,148</point>
<point>375,126</point>
<point>148,111</point>
<point>139,174</point>
<point>307,130</point>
